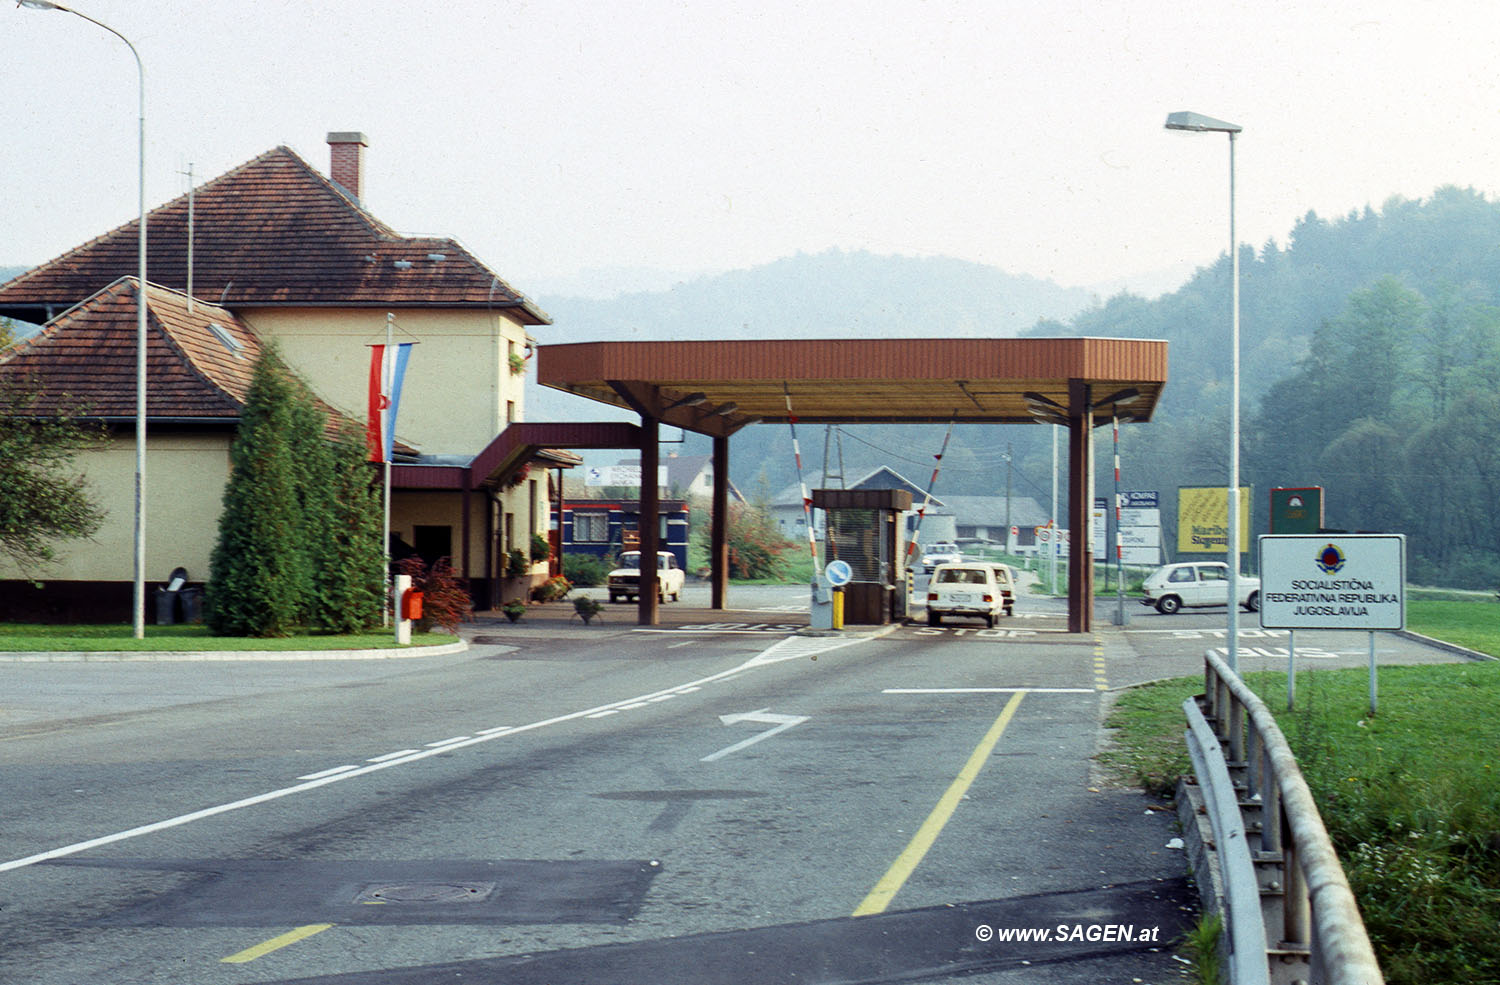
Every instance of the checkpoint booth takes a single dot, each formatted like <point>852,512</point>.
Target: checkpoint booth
<point>866,530</point>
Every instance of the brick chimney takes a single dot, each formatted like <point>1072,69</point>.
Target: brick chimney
<point>347,162</point>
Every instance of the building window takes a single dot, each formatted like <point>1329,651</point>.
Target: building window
<point>590,528</point>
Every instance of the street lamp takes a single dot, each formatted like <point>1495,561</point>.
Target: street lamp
<point>139,590</point>
<point>1198,123</point>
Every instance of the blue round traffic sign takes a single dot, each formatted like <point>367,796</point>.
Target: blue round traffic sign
<point>838,573</point>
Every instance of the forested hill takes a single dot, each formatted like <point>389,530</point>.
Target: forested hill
<point>1370,366</point>
<point>833,294</point>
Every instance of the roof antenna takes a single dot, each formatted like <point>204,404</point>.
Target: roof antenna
<point>191,189</point>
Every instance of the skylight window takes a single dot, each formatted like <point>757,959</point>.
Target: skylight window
<point>235,346</point>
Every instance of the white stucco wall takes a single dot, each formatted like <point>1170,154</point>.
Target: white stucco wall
<point>458,390</point>
<point>185,478</point>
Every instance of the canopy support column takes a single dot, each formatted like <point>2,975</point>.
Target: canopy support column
<point>719,525</point>
<point>650,529</point>
<point>1080,508</point>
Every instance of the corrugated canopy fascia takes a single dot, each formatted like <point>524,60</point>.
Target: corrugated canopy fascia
<point>856,380</point>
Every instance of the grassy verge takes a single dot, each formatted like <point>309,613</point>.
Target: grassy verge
<point>22,637</point>
<point>1475,625</point>
<point>1411,798</point>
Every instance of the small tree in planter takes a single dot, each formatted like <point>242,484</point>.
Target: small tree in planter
<point>517,565</point>
<point>514,609</point>
<point>587,608</point>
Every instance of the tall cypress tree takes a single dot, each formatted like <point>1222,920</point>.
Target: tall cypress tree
<point>351,559</point>
<point>258,572</point>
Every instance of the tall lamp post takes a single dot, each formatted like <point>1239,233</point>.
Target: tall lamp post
<point>1198,123</point>
<point>139,590</point>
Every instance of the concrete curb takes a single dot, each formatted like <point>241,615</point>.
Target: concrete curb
<point>1444,645</point>
<point>210,656</point>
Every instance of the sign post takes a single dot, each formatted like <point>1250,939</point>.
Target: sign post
<point>1338,581</point>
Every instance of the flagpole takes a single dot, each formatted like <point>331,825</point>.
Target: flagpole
<point>385,455</point>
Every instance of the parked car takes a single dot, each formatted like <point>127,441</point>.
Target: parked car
<point>981,591</point>
<point>940,552</point>
<point>1195,584</point>
<point>624,582</point>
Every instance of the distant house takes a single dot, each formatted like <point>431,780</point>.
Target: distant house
<point>279,253</point>
<point>687,477</point>
<point>961,519</point>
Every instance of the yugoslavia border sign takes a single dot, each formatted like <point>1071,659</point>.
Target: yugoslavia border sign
<point>1333,581</point>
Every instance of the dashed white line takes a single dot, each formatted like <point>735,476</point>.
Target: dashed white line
<point>988,690</point>
<point>392,755</point>
<point>313,781</point>
<point>336,770</point>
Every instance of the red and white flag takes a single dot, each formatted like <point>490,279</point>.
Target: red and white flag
<point>387,369</point>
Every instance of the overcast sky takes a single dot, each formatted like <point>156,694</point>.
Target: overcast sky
<point>557,137</point>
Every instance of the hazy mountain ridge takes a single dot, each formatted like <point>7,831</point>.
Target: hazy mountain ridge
<point>834,294</point>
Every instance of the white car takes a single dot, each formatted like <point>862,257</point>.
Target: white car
<point>1196,584</point>
<point>982,591</point>
<point>940,552</point>
<point>625,581</point>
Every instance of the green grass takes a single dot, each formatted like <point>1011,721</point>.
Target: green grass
<point>23,637</point>
<point>1411,798</point>
<point>1475,625</point>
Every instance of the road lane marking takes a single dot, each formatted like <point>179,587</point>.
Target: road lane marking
<point>765,717</point>
<point>988,690</point>
<point>906,863</point>
<point>392,755</point>
<point>275,944</point>
<point>449,742</point>
<point>401,759</point>
<point>336,770</point>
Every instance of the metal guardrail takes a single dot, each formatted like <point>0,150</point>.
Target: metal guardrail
<point>1305,904</point>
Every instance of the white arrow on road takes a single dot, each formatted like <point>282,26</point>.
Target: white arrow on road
<point>764,716</point>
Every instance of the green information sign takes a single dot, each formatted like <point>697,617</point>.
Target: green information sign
<point>1297,511</point>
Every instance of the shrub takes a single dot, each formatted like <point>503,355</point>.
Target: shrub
<point>585,569</point>
<point>445,598</point>
<point>587,608</point>
<point>518,564</point>
<point>541,548</point>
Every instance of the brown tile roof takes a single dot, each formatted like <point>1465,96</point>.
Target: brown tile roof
<point>198,364</point>
<point>272,232</point>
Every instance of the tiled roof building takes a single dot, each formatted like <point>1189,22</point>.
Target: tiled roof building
<point>198,363</point>
<point>280,254</point>
<point>272,232</point>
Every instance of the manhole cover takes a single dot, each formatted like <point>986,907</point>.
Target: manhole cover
<point>426,892</point>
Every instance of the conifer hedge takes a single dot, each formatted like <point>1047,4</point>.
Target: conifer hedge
<point>300,536</point>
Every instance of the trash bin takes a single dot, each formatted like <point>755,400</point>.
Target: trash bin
<point>166,606</point>
<point>166,598</point>
<point>192,605</point>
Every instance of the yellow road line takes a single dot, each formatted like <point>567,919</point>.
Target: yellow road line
<point>906,863</point>
<point>275,943</point>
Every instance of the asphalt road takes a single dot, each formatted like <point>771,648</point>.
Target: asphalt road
<point>711,801</point>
